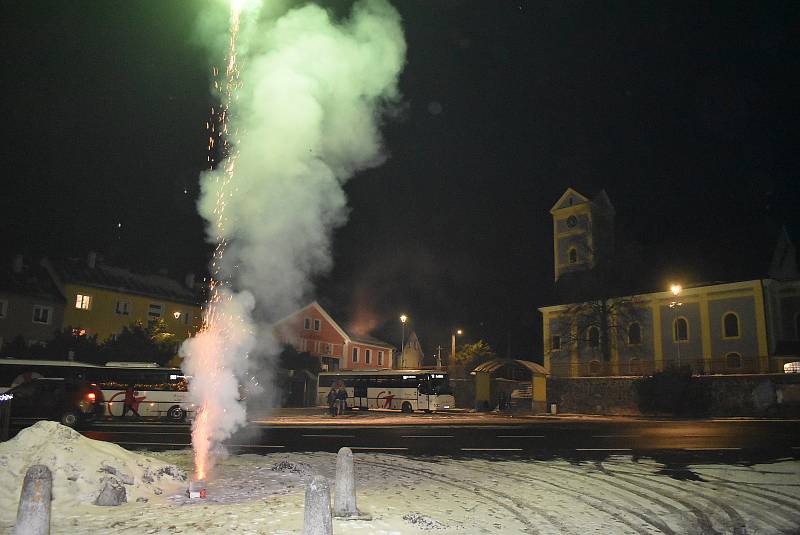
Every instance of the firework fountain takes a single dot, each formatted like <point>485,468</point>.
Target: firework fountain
<point>301,97</point>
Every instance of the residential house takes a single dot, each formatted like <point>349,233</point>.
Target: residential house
<point>102,299</point>
<point>31,306</point>
<point>311,329</point>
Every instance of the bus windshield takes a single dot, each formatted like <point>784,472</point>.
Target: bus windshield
<point>439,387</point>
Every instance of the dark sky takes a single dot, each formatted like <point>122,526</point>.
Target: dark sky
<point>686,113</point>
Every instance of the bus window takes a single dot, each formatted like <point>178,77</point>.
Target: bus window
<point>360,389</point>
<point>439,387</point>
<point>327,380</point>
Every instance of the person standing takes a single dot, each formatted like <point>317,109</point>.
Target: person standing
<point>341,398</point>
<point>332,401</point>
<point>130,403</point>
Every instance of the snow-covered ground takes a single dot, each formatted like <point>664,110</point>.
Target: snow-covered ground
<point>251,494</point>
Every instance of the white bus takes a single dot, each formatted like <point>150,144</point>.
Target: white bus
<point>405,390</point>
<point>159,392</point>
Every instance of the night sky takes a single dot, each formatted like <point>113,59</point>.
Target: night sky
<point>686,113</point>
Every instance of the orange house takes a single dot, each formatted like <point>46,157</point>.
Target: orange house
<point>311,329</point>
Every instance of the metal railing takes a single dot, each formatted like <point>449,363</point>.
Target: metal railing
<point>730,364</point>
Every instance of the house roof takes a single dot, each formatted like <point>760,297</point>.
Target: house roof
<point>362,339</point>
<point>32,281</point>
<point>496,364</point>
<point>369,340</point>
<point>73,271</point>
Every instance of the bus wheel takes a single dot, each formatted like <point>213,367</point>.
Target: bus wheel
<point>70,419</point>
<point>406,407</point>
<point>176,413</point>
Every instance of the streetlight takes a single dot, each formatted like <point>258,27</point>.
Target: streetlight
<point>453,344</point>
<point>403,320</point>
<point>675,305</point>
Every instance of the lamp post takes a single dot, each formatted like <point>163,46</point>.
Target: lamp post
<point>675,305</point>
<point>403,320</point>
<point>453,345</point>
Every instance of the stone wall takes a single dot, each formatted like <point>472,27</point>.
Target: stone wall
<point>731,395</point>
<point>593,395</point>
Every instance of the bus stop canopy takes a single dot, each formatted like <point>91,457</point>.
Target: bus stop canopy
<point>493,366</point>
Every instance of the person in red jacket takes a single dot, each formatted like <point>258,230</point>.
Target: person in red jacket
<point>131,403</point>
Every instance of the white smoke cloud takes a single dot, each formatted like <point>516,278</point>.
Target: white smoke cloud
<point>306,118</point>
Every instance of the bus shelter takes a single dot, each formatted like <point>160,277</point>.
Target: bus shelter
<point>512,385</point>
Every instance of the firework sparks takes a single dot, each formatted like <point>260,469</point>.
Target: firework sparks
<point>213,339</point>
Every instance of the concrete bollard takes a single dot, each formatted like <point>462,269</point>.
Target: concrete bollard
<point>33,513</point>
<point>317,515</point>
<point>344,501</point>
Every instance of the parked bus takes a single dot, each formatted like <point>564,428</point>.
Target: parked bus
<point>160,392</point>
<point>405,390</point>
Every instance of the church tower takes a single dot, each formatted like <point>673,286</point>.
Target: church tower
<point>583,231</point>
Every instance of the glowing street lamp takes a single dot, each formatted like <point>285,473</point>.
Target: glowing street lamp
<point>453,344</point>
<point>403,320</point>
<point>675,305</point>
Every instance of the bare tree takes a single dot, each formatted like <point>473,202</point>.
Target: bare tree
<point>595,323</point>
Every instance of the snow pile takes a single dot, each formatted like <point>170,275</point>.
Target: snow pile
<point>81,467</point>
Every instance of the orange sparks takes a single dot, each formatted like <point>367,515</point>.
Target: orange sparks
<point>211,341</point>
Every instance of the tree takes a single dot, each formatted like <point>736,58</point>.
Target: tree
<point>471,355</point>
<point>291,359</point>
<point>595,315</point>
<point>597,322</point>
<point>69,343</point>
<point>139,344</point>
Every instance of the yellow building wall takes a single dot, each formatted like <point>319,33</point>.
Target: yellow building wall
<point>102,319</point>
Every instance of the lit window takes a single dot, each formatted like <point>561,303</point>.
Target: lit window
<point>3,308</point>
<point>680,332</point>
<point>380,358</point>
<point>42,314</point>
<point>355,354</point>
<point>573,256</point>
<point>733,361</point>
<point>367,356</point>
<point>123,308</point>
<point>307,324</point>
<point>634,334</point>
<point>317,325</point>
<point>83,302</point>
<point>730,325</point>
<point>594,337</point>
<point>77,331</point>
<point>555,342</point>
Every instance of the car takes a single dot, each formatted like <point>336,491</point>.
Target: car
<point>70,402</point>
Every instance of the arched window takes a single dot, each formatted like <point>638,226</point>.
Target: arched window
<point>595,367</point>
<point>594,337</point>
<point>635,366</point>
<point>634,333</point>
<point>733,361</point>
<point>730,325</point>
<point>680,331</point>
<point>573,256</point>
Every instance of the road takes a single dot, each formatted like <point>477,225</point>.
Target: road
<point>464,434</point>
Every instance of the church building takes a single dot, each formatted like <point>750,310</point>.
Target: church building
<point>603,326</point>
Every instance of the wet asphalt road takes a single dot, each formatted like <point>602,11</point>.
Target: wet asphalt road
<point>482,434</point>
